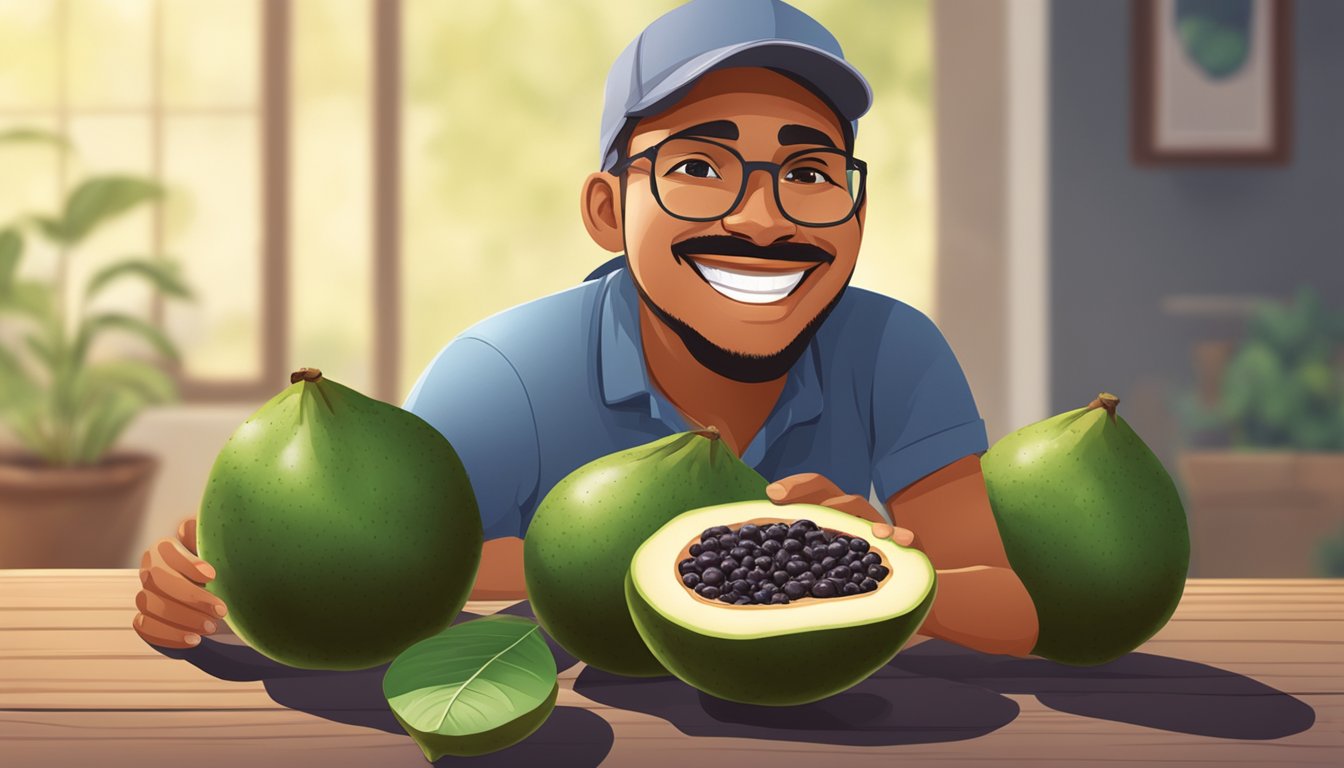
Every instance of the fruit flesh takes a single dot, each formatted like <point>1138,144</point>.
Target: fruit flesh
<point>721,649</point>
<point>654,575</point>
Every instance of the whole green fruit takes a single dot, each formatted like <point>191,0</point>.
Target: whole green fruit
<point>343,529</point>
<point>1094,527</point>
<point>580,541</point>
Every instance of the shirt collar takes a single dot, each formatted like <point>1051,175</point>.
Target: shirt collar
<point>624,377</point>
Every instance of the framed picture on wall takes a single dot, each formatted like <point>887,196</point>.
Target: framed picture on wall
<point>1211,82</point>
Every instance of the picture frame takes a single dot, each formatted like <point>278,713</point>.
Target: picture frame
<point>1211,82</point>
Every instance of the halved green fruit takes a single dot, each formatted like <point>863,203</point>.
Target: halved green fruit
<point>773,654</point>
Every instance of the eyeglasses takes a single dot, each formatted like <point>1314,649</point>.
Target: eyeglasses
<point>703,180</point>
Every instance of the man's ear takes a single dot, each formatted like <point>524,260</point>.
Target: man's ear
<point>599,204</point>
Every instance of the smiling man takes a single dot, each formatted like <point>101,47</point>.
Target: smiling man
<point>728,180</point>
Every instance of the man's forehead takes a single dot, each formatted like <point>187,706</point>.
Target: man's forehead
<point>740,98</point>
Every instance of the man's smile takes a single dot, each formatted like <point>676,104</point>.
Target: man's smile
<point>751,281</point>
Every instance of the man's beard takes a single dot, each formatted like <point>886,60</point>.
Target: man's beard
<point>741,366</point>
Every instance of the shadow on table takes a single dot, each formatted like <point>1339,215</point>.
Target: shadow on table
<point>891,707</point>
<point>1139,688</point>
<point>571,736</point>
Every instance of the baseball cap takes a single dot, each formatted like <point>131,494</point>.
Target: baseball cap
<point>663,63</point>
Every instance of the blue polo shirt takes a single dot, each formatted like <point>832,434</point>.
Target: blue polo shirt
<point>877,400</point>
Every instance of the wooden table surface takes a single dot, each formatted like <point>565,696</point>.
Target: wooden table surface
<point>1248,672</point>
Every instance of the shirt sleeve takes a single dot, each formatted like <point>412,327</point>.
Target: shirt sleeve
<point>924,416</point>
<point>474,397</point>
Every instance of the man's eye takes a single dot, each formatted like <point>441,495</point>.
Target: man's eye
<point>807,176</point>
<point>699,169</point>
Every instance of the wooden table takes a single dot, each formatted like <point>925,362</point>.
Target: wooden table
<point>1248,672</point>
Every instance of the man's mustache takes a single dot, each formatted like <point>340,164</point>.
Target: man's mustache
<point>722,245</point>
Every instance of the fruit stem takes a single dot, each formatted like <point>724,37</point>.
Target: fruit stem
<point>305,374</point>
<point>1105,400</point>
<point>711,432</point>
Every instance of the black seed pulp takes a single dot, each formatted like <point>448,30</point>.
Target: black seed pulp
<point>777,563</point>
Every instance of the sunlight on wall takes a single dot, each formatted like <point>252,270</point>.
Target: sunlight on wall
<point>503,102</point>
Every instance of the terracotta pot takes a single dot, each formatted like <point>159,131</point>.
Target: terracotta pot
<point>72,517</point>
<point>1261,514</point>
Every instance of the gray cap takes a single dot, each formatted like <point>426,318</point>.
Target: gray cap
<point>662,64</point>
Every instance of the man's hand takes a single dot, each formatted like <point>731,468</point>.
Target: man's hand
<point>174,608</point>
<point>811,488</point>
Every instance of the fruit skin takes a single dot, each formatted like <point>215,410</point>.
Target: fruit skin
<point>580,541</point>
<point>436,745</point>
<point>784,669</point>
<point>343,529</point>
<point>1094,527</point>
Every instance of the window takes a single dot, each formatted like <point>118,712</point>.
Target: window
<point>183,92</point>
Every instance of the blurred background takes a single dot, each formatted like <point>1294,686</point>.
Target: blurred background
<point>199,196</point>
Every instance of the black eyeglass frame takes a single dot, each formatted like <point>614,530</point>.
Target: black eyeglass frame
<point>747,169</point>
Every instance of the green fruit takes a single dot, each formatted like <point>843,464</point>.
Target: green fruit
<point>1094,527</point>
<point>764,654</point>
<point>343,529</point>
<point>580,541</point>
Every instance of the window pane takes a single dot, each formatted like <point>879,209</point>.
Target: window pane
<point>211,53</point>
<point>30,174</point>
<point>109,52</point>
<point>212,225</point>
<point>28,39</point>
<point>111,145</point>
<point>331,292</point>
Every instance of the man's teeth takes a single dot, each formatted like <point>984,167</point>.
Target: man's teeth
<point>750,287</point>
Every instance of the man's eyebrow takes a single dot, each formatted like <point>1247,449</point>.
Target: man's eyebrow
<point>715,129</point>
<point>802,134</point>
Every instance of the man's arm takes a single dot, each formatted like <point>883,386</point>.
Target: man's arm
<point>981,603</point>
<point>500,576</point>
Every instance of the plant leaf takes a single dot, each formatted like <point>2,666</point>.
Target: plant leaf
<point>473,688</point>
<point>106,421</point>
<point>29,297</point>
<point>34,135</point>
<point>11,248</point>
<point>141,379</point>
<point>96,324</point>
<point>163,274</point>
<point>97,200</point>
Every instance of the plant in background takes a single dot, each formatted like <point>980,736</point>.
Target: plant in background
<point>62,406</point>
<point>1284,388</point>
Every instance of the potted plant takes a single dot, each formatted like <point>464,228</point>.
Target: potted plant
<point>1265,485</point>
<point>66,498</point>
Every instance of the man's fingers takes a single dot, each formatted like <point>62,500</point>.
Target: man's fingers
<point>156,632</point>
<point>855,505</point>
<point>805,488</point>
<point>166,582</point>
<point>178,558</point>
<point>179,616</point>
<point>186,533</point>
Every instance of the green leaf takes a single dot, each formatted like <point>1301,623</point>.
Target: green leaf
<point>105,424</point>
<point>97,200</point>
<point>11,248</point>
<point>163,274</point>
<point>143,380</point>
<point>34,136</point>
<point>473,688</point>
<point>96,324</point>
<point>42,350</point>
<point>31,298</point>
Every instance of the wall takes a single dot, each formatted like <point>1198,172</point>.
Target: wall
<point>1123,238</point>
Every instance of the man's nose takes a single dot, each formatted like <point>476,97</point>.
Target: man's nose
<point>757,216</point>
